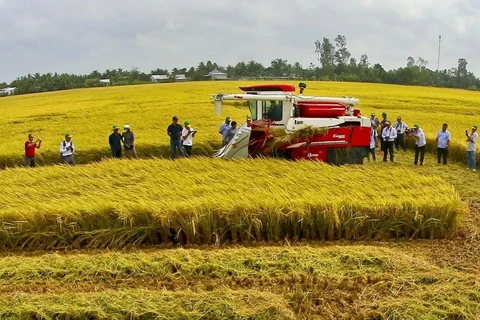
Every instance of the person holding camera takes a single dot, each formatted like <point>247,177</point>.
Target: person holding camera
<point>128,138</point>
<point>66,150</point>
<point>420,143</point>
<point>443,141</point>
<point>188,133</point>
<point>400,126</point>
<point>472,138</point>
<point>389,135</point>
<point>30,147</point>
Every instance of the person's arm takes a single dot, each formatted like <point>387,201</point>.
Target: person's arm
<point>72,147</point>
<point>169,132</point>
<point>437,137</point>
<point>394,134</point>
<point>62,148</point>
<point>110,140</point>
<point>39,144</point>
<point>221,129</point>
<point>448,139</point>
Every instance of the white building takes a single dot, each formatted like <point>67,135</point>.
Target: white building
<point>158,77</point>
<point>7,91</point>
<point>105,81</point>
<point>217,75</point>
<point>180,77</point>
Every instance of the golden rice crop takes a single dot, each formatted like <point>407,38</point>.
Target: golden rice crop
<point>116,203</point>
<point>90,113</point>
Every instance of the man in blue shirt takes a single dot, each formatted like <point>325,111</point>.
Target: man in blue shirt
<point>175,132</point>
<point>224,127</point>
<point>443,141</point>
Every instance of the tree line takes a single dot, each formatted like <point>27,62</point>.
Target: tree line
<point>335,63</point>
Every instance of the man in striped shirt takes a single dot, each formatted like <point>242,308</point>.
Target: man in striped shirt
<point>389,135</point>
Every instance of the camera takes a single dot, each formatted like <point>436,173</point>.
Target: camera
<point>409,131</point>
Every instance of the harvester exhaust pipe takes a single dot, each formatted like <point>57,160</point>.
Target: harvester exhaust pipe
<point>302,87</point>
<point>218,102</point>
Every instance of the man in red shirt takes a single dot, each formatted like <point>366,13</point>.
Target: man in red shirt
<point>30,147</point>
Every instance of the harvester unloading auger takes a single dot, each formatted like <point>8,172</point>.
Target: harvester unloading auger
<point>297,126</point>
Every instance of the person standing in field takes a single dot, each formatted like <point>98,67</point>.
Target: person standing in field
<point>174,131</point>
<point>67,150</point>
<point>188,133</point>
<point>472,139</point>
<point>382,126</point>
<point>115,141</point>
<point>400,126</point>
<point>374,121</point>
<point>388,135</point>
<point>373,144</point>
<point>231,132</point>
<point>128,138</point>
<point>420,144</point>
<point>30,147</point>
<point>224,127</point>
<point>443,142</point>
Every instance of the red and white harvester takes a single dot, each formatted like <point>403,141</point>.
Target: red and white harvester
<point>344,140</point>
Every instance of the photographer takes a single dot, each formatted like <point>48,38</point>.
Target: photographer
<point>30,147</point>
<point>66,150</point>
<point>188,133</point>
<point>420,143</point>
<point>472,148</point>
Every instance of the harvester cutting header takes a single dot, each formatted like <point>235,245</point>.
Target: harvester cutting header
<point>296,126</point>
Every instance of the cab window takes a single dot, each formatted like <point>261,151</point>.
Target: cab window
<point>272,110</point>
<point>252,105</point>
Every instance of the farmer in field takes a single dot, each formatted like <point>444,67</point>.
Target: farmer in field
<point>382,126</point>
<point>231,132</point>
<point>373,144</point>
<point>128,138</point>
<point>188,133</point>
<point>400,126</point>
<point>420,144</point>
<point>30,147</point>
<point>443,142</point>
<point>115,141</point>
<point>389,135</point>
<point>374,121</point>
<point>224,127</point>
<point>174,131</point>
<point>472,139</point>
<point>67,149</point>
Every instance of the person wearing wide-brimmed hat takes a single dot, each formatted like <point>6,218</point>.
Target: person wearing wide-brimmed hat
<point>420,143</point>
<point>67,150</point>
<point>472,139</point>
<point>389,135</point>
<point>115,141</point>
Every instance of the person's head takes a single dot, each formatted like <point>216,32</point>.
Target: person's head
<point>416,127</point>
<point>30,137</point>
<point>444,127</point>
<point>399,119</point>
<point>187,124</point>
<point>227,120</point>
<point>115,129</point>
<point>388,123</point>
<point>234,124</point>
<point>384,115</point>
<point>372,115</point>
<point>68,137</point>
<point>126,127</point>
<point>249,120</point>
<point>474,128</point>
<point>174,119</point>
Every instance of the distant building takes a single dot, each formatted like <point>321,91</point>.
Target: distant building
<point>7,91</point>
<point>105,81</point>
<point>158,77</point>
<point>216,75</point>
<point>180,77</point>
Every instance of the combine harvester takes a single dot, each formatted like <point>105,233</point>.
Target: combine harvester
<point>313,128</point>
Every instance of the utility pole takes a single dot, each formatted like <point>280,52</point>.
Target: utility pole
<point>439,43</point>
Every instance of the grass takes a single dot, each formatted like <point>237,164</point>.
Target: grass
<point>118,203</point>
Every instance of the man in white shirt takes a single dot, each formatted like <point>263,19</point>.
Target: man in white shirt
<point>188,133</point>
<point>419,144</point>
<point>472,148</point>
<point>389,135</point>
<point>66,150</point>
<point>400,126</point>
<point>373,144</point>
<point>443,141</point>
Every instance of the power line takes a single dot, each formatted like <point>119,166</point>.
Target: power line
<point>439,44</point>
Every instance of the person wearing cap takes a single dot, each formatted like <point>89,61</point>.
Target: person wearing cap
<point>443,142</point>
<point>67,150</point>
<point>224,127</point>
<point>382,126</point>
<point>373,144</point>
<point>400,126</point>
<point>115,141</point>
<point>174,131</point>
<point>128,138</point>
<point>30,147</point>
<point>188,133</point>
<point>420,143</point>
<point>374,121</point>
<point>249,121</point>
<point>472,138</point>
<point>389,135</point>
<point>231,132</point>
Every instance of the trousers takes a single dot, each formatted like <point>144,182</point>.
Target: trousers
<point>419,151</point>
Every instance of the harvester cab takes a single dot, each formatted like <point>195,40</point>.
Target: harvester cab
<point>297,126</point>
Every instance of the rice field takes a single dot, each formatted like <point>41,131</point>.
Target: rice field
<point>246,239</point>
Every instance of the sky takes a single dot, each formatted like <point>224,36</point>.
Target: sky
<point>79,36</point>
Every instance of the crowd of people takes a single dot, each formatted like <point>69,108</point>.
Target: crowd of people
<point>392,136</point>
